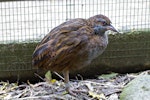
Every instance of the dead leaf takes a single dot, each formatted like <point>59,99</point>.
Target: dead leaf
<point>48,76</point>
<point>108,76</point>
<point>97,96</point>
<point>53,81</point>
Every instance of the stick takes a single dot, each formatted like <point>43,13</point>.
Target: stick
<point>39,76</point>
<point>59,75</point>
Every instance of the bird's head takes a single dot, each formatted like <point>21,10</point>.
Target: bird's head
<point>101,22</point>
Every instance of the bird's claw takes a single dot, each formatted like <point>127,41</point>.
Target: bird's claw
<point>74,92</point>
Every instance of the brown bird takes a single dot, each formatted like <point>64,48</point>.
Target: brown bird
<point>72,45</point>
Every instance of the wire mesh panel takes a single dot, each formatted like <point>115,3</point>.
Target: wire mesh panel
<point>24,23</point>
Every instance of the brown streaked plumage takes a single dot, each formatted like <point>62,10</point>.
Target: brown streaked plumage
<point>72,45</point>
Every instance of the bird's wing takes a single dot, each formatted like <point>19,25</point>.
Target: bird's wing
<point>61,44</point>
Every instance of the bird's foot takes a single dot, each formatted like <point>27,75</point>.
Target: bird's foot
<point>73,91</point>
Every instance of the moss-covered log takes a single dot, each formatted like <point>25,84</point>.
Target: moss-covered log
<point>16,61</point>
<point>127,52</point>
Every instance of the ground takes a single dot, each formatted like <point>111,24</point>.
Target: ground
<point>104,87</point>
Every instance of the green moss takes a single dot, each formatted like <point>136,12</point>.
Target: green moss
<point>15,57</point>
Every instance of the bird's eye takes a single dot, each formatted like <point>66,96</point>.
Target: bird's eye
<point>104,23</point>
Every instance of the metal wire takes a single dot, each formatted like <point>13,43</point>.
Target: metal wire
<point>23,21</point>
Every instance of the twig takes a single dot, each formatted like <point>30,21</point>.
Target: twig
<point>39,76</point>
<point>42,97</point>
<point>80,76</point>
<point>59,75</point>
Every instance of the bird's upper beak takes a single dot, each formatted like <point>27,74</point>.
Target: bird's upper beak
<point>110,27</point>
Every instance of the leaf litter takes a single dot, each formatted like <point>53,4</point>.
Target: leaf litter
<point>105,87</point>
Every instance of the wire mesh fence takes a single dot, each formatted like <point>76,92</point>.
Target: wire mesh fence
<point>24,21</point>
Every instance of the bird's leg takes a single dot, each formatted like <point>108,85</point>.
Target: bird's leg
<point>66,77</point>
<point>67,84</point>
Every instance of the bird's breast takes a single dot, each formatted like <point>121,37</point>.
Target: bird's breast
<point>96,46</point>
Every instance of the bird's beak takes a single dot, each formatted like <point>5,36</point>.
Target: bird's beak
<point>110,27</point>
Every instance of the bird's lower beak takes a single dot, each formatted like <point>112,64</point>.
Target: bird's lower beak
<point>110,27</point>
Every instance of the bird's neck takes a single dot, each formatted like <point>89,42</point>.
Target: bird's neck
<point>105,36</point>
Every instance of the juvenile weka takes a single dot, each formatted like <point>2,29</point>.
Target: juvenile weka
<point>72,45</point>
